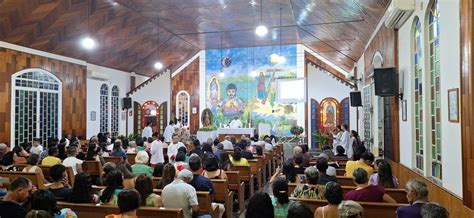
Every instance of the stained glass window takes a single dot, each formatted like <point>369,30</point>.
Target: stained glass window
<point>314,121</point>
<point>104,108</point>
<point>435,94</point>
<point>115,111</point>
<point>163,117</point>
<point>418,98</point>
<point>367,105</point>
<point>182,107</point>
<point>37,103</point>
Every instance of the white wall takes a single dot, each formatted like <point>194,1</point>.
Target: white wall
<point>158,90</point>
<point>323,86</point>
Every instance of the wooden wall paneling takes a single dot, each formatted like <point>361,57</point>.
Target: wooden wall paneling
<point>437,194</point>
<point>74,89</point>
<point>467,100</point>
<point>187,80</point>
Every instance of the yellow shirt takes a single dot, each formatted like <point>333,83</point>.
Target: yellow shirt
<point>353,165</point>
<point>50,161</point>
<point>241,163</point>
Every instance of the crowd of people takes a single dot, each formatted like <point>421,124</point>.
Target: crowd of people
<point>188,167</point>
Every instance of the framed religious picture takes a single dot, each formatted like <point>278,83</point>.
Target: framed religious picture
<point>404,110</point>
<point>93,116</point>
<point>453,105</point>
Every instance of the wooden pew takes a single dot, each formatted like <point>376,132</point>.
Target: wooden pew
<point>345,181</point>
<point>131,158</point>
<point>95,211</point>
<point>116,160</point>
<point>69,172</point>
<point>238,186</point>
<point>93,168</point>
<point>256,170</point>
<point>399,195</point>
<point>262,163</point>
<point>340,172</point>
<point>246,176</point>
<point>222,194</point>
<point>35,178</point>
<point>385,210</point>
<point>155,181</point>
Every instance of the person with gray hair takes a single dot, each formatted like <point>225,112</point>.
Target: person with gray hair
<point>3,150</point>
<point>434,210</point>
<point>180,194</point>
<point>311,189</point>
<point>365,191</point>
<point>417,195</point>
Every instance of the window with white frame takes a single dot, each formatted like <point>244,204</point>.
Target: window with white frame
<point>104,108</point>
<point>115,111</point>
<point>36,106</point>
<point>182,107</point>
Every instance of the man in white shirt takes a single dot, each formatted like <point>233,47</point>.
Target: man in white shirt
<point>147,131</point>
<point>156,151</point>
<point>72,161</point>
<point>336,140</point>
<point>168,133</point>
<point>173,148</point>
<point>236,123</point>
<point>227,144</point>
<point>346,141</point>
<point>36,148</point>
<point>268,144</point>
<point>180,194</point>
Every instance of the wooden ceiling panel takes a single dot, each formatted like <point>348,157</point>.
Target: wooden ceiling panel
<point>130,39</point>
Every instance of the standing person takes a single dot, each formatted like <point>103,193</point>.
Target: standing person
<point>173,148</point>
<point>147,131</point>
<point>236,123</point>
<point>417,195</point>
<point>36,147</point>
<point>156,151</point>
<point>169,132</point>
<point>180,194</point>
<point>346,141</point>
<point>336,138</point>
<point>18,192</point>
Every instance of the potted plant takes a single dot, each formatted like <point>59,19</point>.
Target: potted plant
<point>320,139</point>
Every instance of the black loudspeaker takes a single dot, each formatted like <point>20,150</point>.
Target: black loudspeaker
<point>386,81</point>
<point>356,100</point>
<point>127,103</point>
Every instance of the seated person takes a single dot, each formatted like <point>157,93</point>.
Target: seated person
<point>180,163</point>
<point>180,194</point>
<point>18,192</point>
<point>280,198</point>
<point>299,210</point>
<point>60,186</point>
<point>366,192</point>
<point>351,209</point>
<point>340,153</point>
<point>311,189</point>
<point>260,205</point>
<point>82,190</point>
<point>212,170</point>
<point>117,150</point>
<point>45,200</point>
<point>144,186</point>
<point>417,195</point>
<point>259,151</point>
<point>32,166</point>
<point>322,165</point>
<point>72,161</point>
<point>364,162</point>
<point>236,159</point>
<point>299,150</point>
<point>298,163</point>
<point>331,171</point>
<point>384,176</point>
<point>169,173</point>
<point>114,184</point>
<point>158,170</point>
<point>141,164</point>
<point>128,203</point>
<point>334,194</point>
<point>434,210</point>
<point>246,151</point>
<point>51,159</point>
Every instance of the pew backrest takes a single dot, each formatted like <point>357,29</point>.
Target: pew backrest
<point>115,160</point>
<point>94,168</point>
<point>35,178</point>
<point>47,176</point>
<point>131,158</point>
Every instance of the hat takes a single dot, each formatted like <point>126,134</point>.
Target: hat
<point>350,208</point>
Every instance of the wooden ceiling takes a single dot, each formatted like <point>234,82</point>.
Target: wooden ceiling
<point>130,39</point>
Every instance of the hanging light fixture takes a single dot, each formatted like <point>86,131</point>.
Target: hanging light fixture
<point>158,65</point>
<point>88,42</point>
<point>261,30</point>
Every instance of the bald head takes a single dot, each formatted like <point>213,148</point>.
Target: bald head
<point>297,150</point>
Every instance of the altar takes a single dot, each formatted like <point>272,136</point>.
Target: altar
<point>237,132</point>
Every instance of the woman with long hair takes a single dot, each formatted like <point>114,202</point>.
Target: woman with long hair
<point>384,176</point>
<point>32,166</point>
<point>280,198</point>
<point>144,186</point>
<point>128,177</point>
<point>45,200</point>
<point>114,184</point>
<point>224,162</point>
<point>236,159</point>
<point>82,190</point>
<point>169,172</point>
<point>260,205</point>
<point>212,170</point>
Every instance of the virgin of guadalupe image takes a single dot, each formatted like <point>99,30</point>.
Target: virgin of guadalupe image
<point>329,115</point>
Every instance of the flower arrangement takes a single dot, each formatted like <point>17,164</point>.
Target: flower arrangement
<point>296,130</point>
<point>208,128</point>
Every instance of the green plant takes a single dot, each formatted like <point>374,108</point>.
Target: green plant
<point>296,130</point>
<point>208,129</point>
<point>320,139</point>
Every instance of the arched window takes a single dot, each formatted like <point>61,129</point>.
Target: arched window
<point>104,108</point>
<point>36,103</point>
<point>435,94</point>
<point>115,111</point>
<point>182,107</point>
<point>418,94</point>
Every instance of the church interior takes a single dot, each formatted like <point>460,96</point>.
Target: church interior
<point>236,108</point>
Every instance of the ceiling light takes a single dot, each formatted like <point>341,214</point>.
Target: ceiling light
<point>221,74</point>
<point>158,65</point>
<point>114,3</point>
<point>88,43</point>
<point>261,30</point>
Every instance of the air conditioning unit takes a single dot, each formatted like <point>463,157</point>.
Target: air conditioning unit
<point>98,76</point>
<point>398,12</point>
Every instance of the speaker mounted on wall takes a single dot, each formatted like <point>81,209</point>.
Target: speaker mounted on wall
<point>386,81</point>
<point>356,100</point>
<point>126,103</point>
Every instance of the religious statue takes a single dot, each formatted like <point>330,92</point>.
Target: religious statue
<point>207,118</point>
